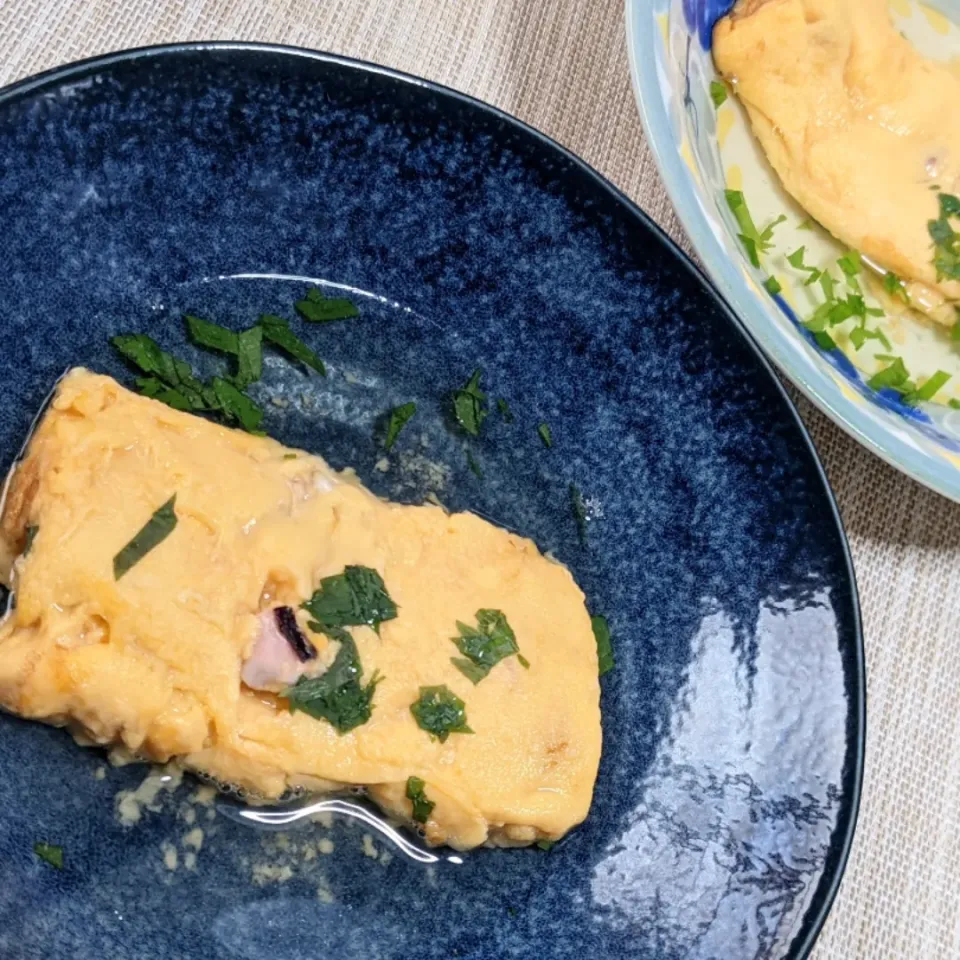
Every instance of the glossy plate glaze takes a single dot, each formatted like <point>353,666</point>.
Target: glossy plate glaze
<point>220,180</point>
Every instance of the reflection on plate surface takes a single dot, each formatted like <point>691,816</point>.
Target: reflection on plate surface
<point>208,180</point>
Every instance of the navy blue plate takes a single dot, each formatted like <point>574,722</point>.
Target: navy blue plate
<point>221,180</point>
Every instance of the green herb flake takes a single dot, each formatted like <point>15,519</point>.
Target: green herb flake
<point>316,308</point>
<point>469,405</point>
<point>545,435</point>
<point>718,93</point>
<point>236,406</point>
<point>485,645</point>
<point>579,508</point>
<point>422,807</point>
<point>824,341</point>
<point>29,536</point>
<point>249,356</point>
<point>440,712</point>
<point>850,263</point>
<point>601,632</point>
<point>754,241</point>
<point>289,456</point>
<point>505,412</point>
<point>168,379</point>
<point>151,535</point>
<point>927,390</point>
<point>546,845</point>
<point>796,260</point>
<point>399,417</point>
<point>337,696</point>
<point>954,403</point>
<point>894,287</point>
<point>356,597</point>
<point>49,853</point>
<point>860,335</point>
<point>277,331</point>
<point>806,224</point>
<point>893,375</point>
<point>946,241</point>
<point>955,332</point>
<point>772,286</point>
<point>212,335</point>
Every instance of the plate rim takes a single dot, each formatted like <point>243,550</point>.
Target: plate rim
<point>918,464</point>
<point>858,694</point>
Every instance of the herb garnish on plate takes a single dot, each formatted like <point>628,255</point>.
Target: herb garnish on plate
<point>151,535</point>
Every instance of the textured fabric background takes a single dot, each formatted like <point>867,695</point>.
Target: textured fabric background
<point>561,65</point>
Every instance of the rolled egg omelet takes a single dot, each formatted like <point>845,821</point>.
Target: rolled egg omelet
<point>187,591</point>
<point>856,123</point>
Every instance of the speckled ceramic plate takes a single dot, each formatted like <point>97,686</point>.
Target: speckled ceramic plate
<point>221,180</point>
<point>701,151</point>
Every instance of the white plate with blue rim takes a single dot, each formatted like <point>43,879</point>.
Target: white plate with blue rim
<point>706,154</point>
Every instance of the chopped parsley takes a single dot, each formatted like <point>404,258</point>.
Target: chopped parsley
<point>485,645</point>
<point>546,845</point>
<point>796,260</point>
<point>895,375</point>
<point>860,335</point>
<point>151,535</point>
<point>772,286</point>
<point>236,406</point>
<point>277,331</point>
<point>474,466</point>
<point>168,379</point>
<point>249,357</point>
<point>245,346</point>
<point>718,93</point>
<point>356,597</point>
<point>29,536</point>
<point>946,241</point>
<point>399,417</point>
<point>545,435</point>
<point>806,224</point>
<point>579,508</point>
<point>601,632</point>
<point>894,286</point>
<point>505,410</point>
<point>422,807</point>
<point>212,335</point>
<point>173,382</point>
<point>49,853</point>
<point>926,391</point>
<point>316,308</point>
<point>440,712</point>
<point>954,403</point>
<point>469,405</point>
<point>754,241</point>
<point>850,263</point>
<point>337,696</point>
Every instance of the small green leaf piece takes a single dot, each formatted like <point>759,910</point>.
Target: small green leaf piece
<point>277,331</point>
<point>545,435</point>
<point>399,416</point>
<point>151,535</point>
<point>356,597</point>
<point>469,405</point>
<point>337,696</point>
<point>440,712</point>
<point>212,335</point>
<point>718,93</point>
<point>317,308</point>
<point>416,794</point>
<point>601,632</point>
<point>485,645</point>
<point>49,853</point>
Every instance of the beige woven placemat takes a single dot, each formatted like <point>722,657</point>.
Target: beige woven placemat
<point>561,65</point>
